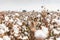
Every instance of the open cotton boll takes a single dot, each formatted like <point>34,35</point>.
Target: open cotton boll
<point>55,31</point>
<point>45,30</point>
<point>58,38</point>
<point>6,29</point>
<point>26,18</point>
<point>48,20</point>
<point>11,20</point>
<point>2,31</point>
<point>19,22</point>
<point>40,34</point>
<point>2,26</point>
<point>51,38</point>
<point>6,18</point>
<point>15,34</point>
<point>43,33</point>
<point>1,38</point>
<point>51,13</point>
<point>58,28</point>
<point>16,30</point>
<point>6,38</point>
<point>57,21</point>
<point>16,14</point>
<point>51,26</point>
<point>25,37</point>
<point>38,15</point>
<point>29,22</point>
<point>24,27</point>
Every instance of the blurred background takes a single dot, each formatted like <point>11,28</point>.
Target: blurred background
<point>18,5</point>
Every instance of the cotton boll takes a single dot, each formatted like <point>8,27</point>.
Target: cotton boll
<point>2,31</point>
<point>40,34</point>
<point>55,31</point>
<point>20,37</point>
<point>6,29</point>
<point>51,13</point>
<point>1,38</point>
<point>45,30</point>
<point>48,20</point>
<point>26,18</point>
<point>38,15</point>
<point>29,22</point>
<point>51,26</point>
<point>15,34</point>
<point>43,33</point>
<point>19,22</point>
<point>11,20</point>
<point>16,14</point>
<point>16,30</point>
<point>51,38</point>
<point>58,28</point>
<point>6,38</point>
<point>24,27</point>
<point>6,18</point>
<point>57,21</point>
<point>2,26</point>
<point>26,33</point>
<point>58,38</point>
<point>25,37</point>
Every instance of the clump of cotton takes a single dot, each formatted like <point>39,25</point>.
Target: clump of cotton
<point>58,38</point>
<point>3,28</point>
<point>6,38</point>
<point>43,33</point>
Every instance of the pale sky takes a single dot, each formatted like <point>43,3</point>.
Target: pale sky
<point>29,4</point>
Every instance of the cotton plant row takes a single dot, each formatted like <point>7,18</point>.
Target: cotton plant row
<point>33,25</point>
